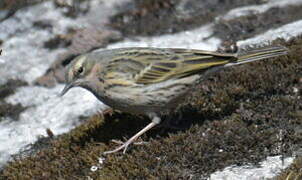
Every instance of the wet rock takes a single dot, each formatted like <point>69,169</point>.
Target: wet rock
<point>153,17</point>
<point>73,8</point>
<point>6,109</point>
<point>9,7</point>
<point>255,23</point>
<point>9,110</point>
<point>78,42</point>
<point>45,24</point>
<point>9,87</point>
<point>59,41</point>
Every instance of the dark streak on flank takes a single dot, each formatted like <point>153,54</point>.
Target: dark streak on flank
<point>189,73</point>
<point>174,58</point>
<point>152,58</point>
<point>152,54</point>
<point>206,60</point>
<point>156,68</point>
<point>147,78</point>
<point>115,85</point>
<point>151,74</point>
<point>167,64</point>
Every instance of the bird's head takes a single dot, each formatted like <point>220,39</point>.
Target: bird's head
<point>77,72</point>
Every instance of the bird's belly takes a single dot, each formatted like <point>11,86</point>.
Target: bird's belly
<point>136,103</point>
<point>148,99</point>
<point>145,106</point>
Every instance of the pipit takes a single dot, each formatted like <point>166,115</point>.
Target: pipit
<point>149,81</point>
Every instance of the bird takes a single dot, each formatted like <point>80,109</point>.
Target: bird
<point>149,81</point>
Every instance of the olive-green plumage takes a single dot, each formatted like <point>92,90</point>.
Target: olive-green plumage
<point>151,80</point>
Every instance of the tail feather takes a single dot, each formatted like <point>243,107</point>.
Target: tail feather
<point>259,54</point>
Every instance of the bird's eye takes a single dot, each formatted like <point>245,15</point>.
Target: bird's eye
<point>80,70</point>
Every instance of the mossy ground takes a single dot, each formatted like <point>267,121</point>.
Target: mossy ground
<point>238,116</point>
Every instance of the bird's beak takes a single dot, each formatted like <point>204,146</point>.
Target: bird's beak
<point>69,86</point>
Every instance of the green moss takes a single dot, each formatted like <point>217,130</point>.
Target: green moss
<point>239,116</point>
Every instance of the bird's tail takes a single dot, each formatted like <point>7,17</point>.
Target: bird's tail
<point>259,54</point>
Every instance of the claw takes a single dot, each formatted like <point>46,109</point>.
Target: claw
<point>124,146</point>
<point>132,139</point>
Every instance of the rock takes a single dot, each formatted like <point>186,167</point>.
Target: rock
<point>9,7</point>
<point>155,17</point>
<point>81,41</point>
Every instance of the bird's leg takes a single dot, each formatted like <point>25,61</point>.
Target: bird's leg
<point>134,143</point>
<point>155,120</point>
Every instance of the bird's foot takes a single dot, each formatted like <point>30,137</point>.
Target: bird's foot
<point>123,145</point>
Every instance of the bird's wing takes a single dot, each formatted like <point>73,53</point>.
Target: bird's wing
<point>152,65</point>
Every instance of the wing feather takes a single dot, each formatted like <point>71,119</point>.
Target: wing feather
<point>153,65</point>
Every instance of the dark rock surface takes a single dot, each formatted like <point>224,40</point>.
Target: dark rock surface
<point>154,17</point>
<point>247,26</point>
<point>9,7</point>
<point>77,41</point>
<point>6,109</point>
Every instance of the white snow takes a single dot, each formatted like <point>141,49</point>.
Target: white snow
<point>199,38</point>
<point>267,169</point>
<point>256,9</point>
<point>46,110</point>
<point>286,32</point>
<point>24,56</point>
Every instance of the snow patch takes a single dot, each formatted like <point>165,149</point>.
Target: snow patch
<point>267,169</point>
